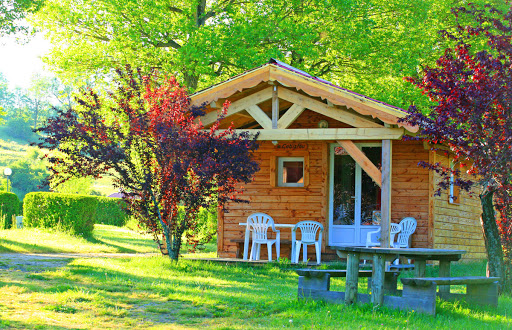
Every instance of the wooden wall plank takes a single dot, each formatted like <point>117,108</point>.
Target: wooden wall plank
<point>457,226</point>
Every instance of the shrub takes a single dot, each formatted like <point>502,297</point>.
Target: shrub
<point>111,211</point>
<point>74,214</point>
<point>28,174</point>
<point>9,206</point>
<point>204,230</point>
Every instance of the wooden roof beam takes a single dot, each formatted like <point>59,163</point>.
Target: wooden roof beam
<point>363,161</point>
<point>237,106</point>
<point>290,116</point>
<point>341,115</point>
<point>326,134</point>
<point>260,116</point>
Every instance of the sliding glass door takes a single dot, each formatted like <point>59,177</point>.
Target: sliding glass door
<point>354,207</point>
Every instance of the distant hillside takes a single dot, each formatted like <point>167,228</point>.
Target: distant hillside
<point>12,150</point>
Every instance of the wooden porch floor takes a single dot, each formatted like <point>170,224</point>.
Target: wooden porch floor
<point>309,264</point>
<point>259,262</point>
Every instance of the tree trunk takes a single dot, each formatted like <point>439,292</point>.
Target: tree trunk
<point>36,114</point>
<point>491,236</point>
<point>167,241</point>
<point>191,81</point>
<point>174,252</point>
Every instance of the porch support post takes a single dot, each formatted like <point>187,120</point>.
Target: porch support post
<point>275,107</point>
<point>385,223</point>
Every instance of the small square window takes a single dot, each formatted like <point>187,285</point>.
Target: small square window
<point>290,171</point>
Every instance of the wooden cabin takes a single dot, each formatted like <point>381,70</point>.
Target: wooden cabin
<point>337,157</point>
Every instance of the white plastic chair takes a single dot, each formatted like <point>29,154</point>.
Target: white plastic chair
<point>258,224</point>
<point>308,230</point>
<point>395,229</point>
<point>407,228</point>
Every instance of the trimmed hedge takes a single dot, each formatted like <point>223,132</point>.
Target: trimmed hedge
<point>74,214</point>
<point>110,211</point>
<point>9,206</point>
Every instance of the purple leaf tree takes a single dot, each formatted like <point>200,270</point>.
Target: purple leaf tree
<point>147,136</point>
<point>471,86</point>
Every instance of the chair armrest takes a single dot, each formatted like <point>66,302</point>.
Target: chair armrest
<point>369,236</point>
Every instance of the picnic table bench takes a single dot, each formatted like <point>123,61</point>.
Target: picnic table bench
<point>419,293</point>
<point>479,290</point>
<point>320,279</point>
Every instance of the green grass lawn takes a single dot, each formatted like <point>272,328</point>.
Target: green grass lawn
<point>105,239</point>
<point>153,292</point>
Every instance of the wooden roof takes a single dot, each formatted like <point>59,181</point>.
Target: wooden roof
<point>288,76</point>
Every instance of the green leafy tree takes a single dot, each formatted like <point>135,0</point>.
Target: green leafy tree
<point>13,12</point>
<point>39,101</point>
<point>29,174</point>
<point>367,46</point>
<point>5,97</point>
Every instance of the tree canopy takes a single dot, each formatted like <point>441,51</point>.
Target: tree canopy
<point>367,46</point>
<point>471,85</point>
<point>13,12</point>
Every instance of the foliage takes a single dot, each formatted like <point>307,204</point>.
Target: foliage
<point>29,174</point>
<point>74,214</point>
<point>111,211</point>
<point>9,206</point>
<point>20,129</point>
<point>472,86</point>
<point>367,46</point>
<point>205,227</point>
<point>146,137</point>
<point>25,109</point>
<point>13,12</point>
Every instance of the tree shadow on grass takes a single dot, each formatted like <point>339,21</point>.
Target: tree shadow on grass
<point>130,241</point>
<point>119,248</point>
<point>9,324</point>
<point>27,247</point>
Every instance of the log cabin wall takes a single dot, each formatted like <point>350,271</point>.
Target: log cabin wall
<point>286,205</point>
<point>457,224</point>
<point>440,224</point>
<point>410,193</point>
<point>410,189</point>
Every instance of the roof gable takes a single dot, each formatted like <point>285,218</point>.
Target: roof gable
<point>289,76</point>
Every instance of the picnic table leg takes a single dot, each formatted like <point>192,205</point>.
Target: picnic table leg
<point>246,242</point>
<point>420,266</point>
<point>379,265</point>
<point>444,271</point>
<point>352,278</point>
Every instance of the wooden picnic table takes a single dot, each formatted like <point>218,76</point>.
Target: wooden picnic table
<point>379,256</point>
